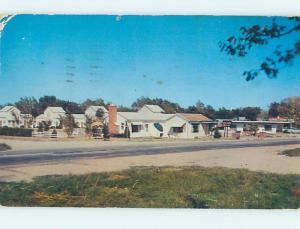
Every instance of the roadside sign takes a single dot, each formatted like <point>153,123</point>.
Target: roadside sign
<point>226,123</point>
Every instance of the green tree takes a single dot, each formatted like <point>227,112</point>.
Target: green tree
<point>88,124</point>
<point>99,114</point>
<point>224,113</point>
<point>40,127</point>
<point>261,35</point>
<point>46,125</point>
<point>105,132</point>
<point>287,108</point>
<point>127,132</point>
<point>168,106</point>
<point>87,103</point>
<point>217,134</point>
<point>47,101</point>
<point>274,109</point>
<point>69,124</point>
<point>254,128</point>
<point>27,105</point>
<point>251,113</point>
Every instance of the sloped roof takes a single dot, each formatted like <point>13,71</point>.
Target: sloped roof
<point>79,116</point>
<point>41,116</point>
<point>95,108</point>
<point>7,108</point>
<point>56,109</point>
<point>155,108</point>
<point>136,116</point>
<point>195,117</point>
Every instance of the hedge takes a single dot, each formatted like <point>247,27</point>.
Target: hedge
<point>9,131</point>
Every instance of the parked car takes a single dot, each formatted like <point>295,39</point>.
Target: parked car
<point>291,130</point>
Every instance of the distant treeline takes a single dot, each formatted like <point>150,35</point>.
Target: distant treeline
<point>289,107</point>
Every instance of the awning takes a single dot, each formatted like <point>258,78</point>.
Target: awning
<point>178,124</point>
<point>158,126</point>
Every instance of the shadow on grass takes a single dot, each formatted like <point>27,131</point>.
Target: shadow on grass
<point>4,147</point>
<point>291,152</point>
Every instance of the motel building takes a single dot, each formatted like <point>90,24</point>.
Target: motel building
<point>152,121</point>
<point>271,126</point>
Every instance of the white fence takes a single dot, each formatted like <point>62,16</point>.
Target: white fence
<point>59,133</point>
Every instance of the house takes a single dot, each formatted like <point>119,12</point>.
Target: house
<point>52,115</point>
<point>80,120</point>
<point>10,116</point>
<point>92,110</point>
<point>271,126</point>
<point>152,121</point>
<point>185,125</point>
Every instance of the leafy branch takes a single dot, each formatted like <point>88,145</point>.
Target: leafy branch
<point>261,35</point>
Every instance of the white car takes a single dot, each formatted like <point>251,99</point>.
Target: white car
<point>292,130</point>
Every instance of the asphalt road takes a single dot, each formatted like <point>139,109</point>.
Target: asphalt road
<point>52,156</point>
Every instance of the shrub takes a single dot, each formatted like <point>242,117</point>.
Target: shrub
<point>127,132</point>
<point>217,134</point>
<point>9,131</point>
<point>291,152</point>
<point>69,124</point>
<point>54,133</point>
<point>105,132</point>
<point>4,147</point>
<point>40,127</point>
<point>119,135</point>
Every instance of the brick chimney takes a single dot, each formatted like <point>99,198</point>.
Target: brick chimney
<point>112,119</point>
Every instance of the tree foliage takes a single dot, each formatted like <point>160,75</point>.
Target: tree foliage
<point>69,124</point>
<point>168,106</point>
<point>257,35</point>
<point>99,114</point>
<point>88,124</point>
<point>27,105</point>
<point>287,108</point>
<point>87,103</point>
<point>105,131</point>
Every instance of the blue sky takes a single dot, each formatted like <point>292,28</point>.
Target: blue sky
<point>122,58</point>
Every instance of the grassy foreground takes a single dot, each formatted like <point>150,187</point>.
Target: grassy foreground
<point>158,187</point>
<point>291,152</point>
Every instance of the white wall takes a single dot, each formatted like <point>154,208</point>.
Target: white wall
<point>144,132</point>
<point>8,119</point>
<point>187,130</point>
<point>261,127</point>
<point>167,131</point>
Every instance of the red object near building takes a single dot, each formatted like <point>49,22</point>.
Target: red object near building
<point>278,118</point>
<point>112,117</point>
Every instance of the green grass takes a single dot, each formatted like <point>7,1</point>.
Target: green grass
<point>158,187</point>
<point>291,152</point>
<point>4,147</point>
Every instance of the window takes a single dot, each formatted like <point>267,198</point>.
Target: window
<point>177,129</point>
<point>195,128</point>
<point>233,126</point>
<point>135,128</point>
<point>146,127</point>
<point>268,127</point>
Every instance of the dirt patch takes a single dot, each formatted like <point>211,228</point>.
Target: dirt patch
<point>255,159</point>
